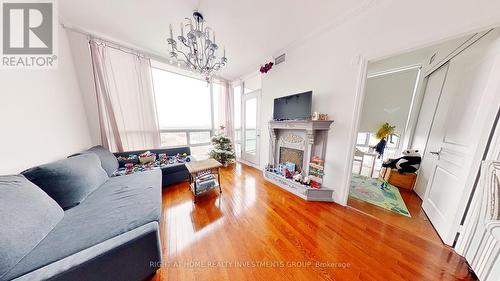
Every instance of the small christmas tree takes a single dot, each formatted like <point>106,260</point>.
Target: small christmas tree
<point>222,149</point>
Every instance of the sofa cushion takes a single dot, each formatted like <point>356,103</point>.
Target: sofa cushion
<point>27,215</point>
<point>118,206</point>
<point>69,181</point>
<point>174,168</point>
<point>108,160</point>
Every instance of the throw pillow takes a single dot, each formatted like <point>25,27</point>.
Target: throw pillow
<point>69,181</point>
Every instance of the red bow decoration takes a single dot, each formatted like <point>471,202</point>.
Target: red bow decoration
<point>265,68</point>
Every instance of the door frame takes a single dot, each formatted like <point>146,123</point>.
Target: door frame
<point>359,98</point>
<point>258,95</point>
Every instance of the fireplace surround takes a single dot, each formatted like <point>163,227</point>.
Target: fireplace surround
<point>293,155</point>
<point>297,141</point>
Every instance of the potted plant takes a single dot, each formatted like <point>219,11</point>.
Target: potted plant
<point>222,150</point>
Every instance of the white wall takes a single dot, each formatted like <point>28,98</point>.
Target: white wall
<point>329,64</point>
<point>80,50</point>
<point>41,114</point>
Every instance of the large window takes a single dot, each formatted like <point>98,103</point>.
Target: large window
<point>237,120</point>
<point>366,140</point>
<point>185,114</point>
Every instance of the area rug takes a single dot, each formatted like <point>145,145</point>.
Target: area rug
<point>368,190</point>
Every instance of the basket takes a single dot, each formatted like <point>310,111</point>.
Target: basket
<point>147,159</point>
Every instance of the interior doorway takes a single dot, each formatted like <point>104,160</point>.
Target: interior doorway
<point>433,112</point>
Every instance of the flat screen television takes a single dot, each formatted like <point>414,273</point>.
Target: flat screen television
<point>293,107</point>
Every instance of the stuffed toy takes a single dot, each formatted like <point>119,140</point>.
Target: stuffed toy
<point>306,181</point>
<point>409,163</point>
<point>298,177</point>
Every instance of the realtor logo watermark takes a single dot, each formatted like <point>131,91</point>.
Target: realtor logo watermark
<point>29,34</point>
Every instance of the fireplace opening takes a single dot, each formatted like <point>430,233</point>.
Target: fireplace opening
<point>292,155</point>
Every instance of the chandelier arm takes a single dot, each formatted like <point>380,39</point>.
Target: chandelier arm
<point>210,54</point>
<point>194,44</point>
<point>190,46</point>
<point>185,55</point>
<point>216,65</point>
<point>190,49</point>
<point>205,55</point>
<point>204,48</point>
<point>202,52</point>
<point>206,63</point>
<point>194,52</point>
<point>184,43</point>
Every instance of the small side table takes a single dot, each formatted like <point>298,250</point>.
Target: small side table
<point>204,167</point>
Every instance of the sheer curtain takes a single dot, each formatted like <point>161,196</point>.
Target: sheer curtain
<point>228,109</point>
<point>125,97</point>
<point>223,96</point>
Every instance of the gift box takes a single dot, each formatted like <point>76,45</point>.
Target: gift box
<point>147,157</point>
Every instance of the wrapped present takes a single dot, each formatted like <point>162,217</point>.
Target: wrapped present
<point>147,157</point>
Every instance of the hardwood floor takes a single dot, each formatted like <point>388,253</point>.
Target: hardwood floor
<point>419,225</point>
<point>256,231</point>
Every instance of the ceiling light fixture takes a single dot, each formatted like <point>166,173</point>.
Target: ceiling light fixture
<point>198,50</point>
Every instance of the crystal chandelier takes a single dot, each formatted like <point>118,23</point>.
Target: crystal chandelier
<point>198,52</point>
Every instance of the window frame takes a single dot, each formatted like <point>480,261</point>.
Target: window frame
<point>188,137</point>
<point>159,66</point>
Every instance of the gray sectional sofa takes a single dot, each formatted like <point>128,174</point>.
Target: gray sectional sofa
<point>69,220</point>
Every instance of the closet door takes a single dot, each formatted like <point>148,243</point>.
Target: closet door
<point>455,146</point>
<point>435,82</point>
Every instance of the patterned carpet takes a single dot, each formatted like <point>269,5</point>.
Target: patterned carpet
<point>368,190</point>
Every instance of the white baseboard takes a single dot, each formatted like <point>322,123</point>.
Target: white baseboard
<point>249,164</point>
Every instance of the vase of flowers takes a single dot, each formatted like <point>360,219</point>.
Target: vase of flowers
<point>222,150</point>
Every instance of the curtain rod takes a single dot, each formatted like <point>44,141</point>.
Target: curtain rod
<point>131,50</point>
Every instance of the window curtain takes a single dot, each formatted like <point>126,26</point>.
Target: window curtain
<point>228,109</point>
<point>125,98</point>
<point>225,105</point>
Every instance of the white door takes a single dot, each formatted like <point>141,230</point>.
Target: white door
<point>250,143</point>
<point>433,89</point>
<point>455,139</point>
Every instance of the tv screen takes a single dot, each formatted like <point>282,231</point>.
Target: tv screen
<point>294,107</point>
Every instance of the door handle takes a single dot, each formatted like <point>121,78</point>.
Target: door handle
<point>437,153</point>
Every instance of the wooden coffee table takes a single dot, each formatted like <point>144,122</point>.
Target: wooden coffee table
<point>203,168</point>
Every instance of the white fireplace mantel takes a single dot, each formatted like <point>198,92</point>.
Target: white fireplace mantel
<point>308,136</point>
<point>308,125</point>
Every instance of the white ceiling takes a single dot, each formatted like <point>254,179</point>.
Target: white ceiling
<point>251,30</point>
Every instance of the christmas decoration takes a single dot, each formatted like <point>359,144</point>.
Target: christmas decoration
<point>222,149</point>
<point>266,67</point>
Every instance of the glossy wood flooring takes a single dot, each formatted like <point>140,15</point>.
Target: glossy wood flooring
<point>419,225</point>
<point>256,231</point>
